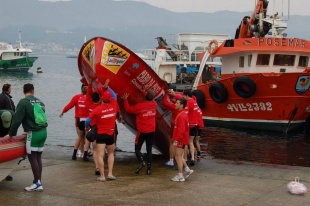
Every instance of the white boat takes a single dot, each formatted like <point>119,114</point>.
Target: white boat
<point>178,64</point>
<point>15,59</point>
<point>72,55</point>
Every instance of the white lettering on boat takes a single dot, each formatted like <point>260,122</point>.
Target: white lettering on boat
<point>144,81</point>
<point>249,107</point>
<point>282,42</point>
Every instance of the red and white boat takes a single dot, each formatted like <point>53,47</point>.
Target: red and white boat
<point>101,59</point>
<point>264,80</point>
<point>11,150</point>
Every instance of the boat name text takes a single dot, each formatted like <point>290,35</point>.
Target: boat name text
<point>282,42</point>
<point>249,107</point>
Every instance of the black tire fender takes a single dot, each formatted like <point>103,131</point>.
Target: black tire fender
<point>218,92</point>
<point>5,66</point>
<point>244,87</point>
<point>200,98</point>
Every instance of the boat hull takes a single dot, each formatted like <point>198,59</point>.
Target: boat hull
<point>13,148</point>
<point>17,65</point>
<point>101,59</point>
<point>279,103</point>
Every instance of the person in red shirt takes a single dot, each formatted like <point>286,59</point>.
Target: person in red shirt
<point>193,118</point>
<point>145,121</point>
<point>81,113</point>
<point>200,128</point>
<point>180,140</point>
<point>168,102</point>
<point>104,116</point>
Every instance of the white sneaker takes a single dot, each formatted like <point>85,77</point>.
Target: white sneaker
<point>188,173</point>
<point>34,187</point>
<point>177,178</point>
<point>169,163</point>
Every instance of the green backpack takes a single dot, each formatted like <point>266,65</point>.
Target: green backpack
<point>39,115</point>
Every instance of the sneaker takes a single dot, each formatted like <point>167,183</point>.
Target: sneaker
<point>73,157</point>
<point>169,163</point>
<point>188,173</point>
<point>85,158</point>
<point>177,178</point>
<point>192,163</point>
<point>34,187</point>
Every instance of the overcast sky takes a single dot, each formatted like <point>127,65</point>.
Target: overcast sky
<point>300,7</point>
<point>297,7</point>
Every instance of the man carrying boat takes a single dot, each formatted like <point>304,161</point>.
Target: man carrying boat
<point>36,133</point>
<point>6,103</point>
<point>180,140</point>
<point>145,120</point>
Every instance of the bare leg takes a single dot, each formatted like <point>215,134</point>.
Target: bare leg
<point>191,147</point>
<point>179,158</point>
<point>100,158</point>
<point>110,149</point>
<point>95,154</point>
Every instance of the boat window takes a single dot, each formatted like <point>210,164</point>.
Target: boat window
<point>303,61</point>
<point>284,60</point>
<point>241,61</point>
<point>15,54</point>
<point>249,60</point>
<point>263,59</point>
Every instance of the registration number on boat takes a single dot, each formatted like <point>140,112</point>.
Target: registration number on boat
<point>248,107</point>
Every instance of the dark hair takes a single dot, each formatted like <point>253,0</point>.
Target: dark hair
<point>187,92</point>
<point>95,97</point>
<point>6,87</point>
<point>83,85</point>
<point>28,88</point>
<point>84,90</point>
<point>150,95</point>
<point>183,102</point>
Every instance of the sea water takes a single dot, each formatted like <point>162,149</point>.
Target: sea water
<point>60,81</point>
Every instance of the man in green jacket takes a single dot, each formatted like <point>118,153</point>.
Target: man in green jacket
<point>36,133</point>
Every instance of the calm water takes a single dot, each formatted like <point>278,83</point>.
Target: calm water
<point>60,80</point>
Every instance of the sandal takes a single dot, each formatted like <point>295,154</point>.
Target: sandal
<point>100,180</point>
<point>111,178</point>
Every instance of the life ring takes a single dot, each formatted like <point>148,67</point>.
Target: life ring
<point>200,98</point>
<point>244,86</point>
<point>214,41</point>
<point>218,92</point>
<point>167,73</point>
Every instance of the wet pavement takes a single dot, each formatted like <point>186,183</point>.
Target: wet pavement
<point>214,182</point>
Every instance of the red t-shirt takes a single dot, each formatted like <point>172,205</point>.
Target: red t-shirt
<point>181,128</point>
<point>145,115</point>
<point>170,106</point>
<point>83,110</point>
<point>89,102</point>
<point>192,112</point>
<point>73,103</point>
<point>105,115</point>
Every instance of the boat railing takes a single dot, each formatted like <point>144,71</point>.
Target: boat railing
<point>178,55</point>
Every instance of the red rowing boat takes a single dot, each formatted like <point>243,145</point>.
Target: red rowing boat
<point>101,59</point>
<point>13,148</point>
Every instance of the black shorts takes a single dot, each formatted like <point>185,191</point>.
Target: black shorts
<point>82,125</point>
<point>199,132</point>
<point>105,139</point>
<point>193,131</point>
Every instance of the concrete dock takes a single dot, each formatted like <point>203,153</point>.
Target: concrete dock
<point>214,182</point>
